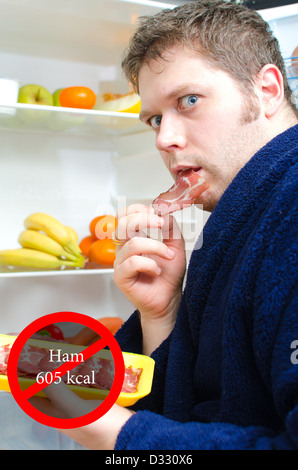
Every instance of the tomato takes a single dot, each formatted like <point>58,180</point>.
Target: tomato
<point>77,97</point>
<point>103,226</point>
<point>103,252</point>
<point>51,330</point>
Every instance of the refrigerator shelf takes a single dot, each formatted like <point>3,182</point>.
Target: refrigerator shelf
<point>67,272</point>
<point>69,121</point>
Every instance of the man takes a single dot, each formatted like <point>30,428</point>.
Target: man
<point>213,88</point>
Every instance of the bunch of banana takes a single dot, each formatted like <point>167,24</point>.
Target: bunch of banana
<point>46,244</point>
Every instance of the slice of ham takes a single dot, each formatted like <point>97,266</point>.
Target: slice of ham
<point>131,379</point>
<point>103,372</point>
<point>188,186</point>
<point>29,360</point>
<point>34,359</point>
<point>4,353</point>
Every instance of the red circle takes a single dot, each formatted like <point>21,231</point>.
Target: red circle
<point>17,392</point>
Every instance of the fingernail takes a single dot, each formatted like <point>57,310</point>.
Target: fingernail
<point>171,253</point>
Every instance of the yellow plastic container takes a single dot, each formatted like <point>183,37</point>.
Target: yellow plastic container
<point>125,399</point>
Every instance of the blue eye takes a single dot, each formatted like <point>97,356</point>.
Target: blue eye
<point>155,121</point>
<point>189,101</point>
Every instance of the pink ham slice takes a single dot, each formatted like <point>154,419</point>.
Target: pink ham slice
<point>4,353</point>
<point>33,360</point>
<point>29,360</point>
<point>131,379</point>
<point>185,191</point>
<point>103,372</point>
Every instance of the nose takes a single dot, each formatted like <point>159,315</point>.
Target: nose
<point>170,134</point>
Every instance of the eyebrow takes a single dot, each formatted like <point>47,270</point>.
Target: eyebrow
<point>144,114</point>
<point>177,92</point>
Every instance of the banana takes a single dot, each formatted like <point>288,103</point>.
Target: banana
<point>55,229</point>
<point>72,233</point>
<point>74,236</point>
<point>33,259</point>
<point>39,241</point>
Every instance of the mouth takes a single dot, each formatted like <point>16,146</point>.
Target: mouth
<point>180,168</point>
<point>187,189</point>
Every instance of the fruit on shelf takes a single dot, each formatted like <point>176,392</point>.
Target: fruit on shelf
<point>52,331</point>
<point>113,324</point>
<point>87,336</point>
<point>72,233</point>
<point>35,240</point>
<point>98,246</point>
<point>103,226</point>
<point>55,229</point>
<point>77,97</point>
<point>85,244</point>
<point>46,244</point>
<point>26,258</point>
<point>128,103</point>
<point>35,94</point>
<point>56,97</point>
<point>103,252</point>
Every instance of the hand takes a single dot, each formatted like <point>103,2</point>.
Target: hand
<point>149,271</point>
<point>63,403</point>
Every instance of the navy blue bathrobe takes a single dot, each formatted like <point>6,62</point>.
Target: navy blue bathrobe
<point>227,376</point>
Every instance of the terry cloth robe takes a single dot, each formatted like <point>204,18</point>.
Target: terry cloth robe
<point>227,376</point>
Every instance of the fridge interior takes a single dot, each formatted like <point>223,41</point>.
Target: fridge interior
<point>76,164</point>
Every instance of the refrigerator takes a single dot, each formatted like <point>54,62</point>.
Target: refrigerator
<point>71,164</point>
<point>80,164</point>
<point>77,164</point>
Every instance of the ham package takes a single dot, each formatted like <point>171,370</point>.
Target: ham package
<point>34,360</point>
<point>185,191</point>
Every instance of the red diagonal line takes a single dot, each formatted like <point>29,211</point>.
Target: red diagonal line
<point>66,366</point>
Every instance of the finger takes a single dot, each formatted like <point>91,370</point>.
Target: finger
<point>170,229</point>
<point>135,225</point>
<point>133,208</point>
<point>143,246</point>
<point>68,402</point>
<point>135,265</point>
<point>46,406</point>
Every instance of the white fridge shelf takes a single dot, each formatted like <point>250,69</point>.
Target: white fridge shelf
<point>67,272</point>
<point>68,121</point>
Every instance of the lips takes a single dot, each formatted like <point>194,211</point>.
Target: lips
<point>188,186</point>
<point>182,168</point>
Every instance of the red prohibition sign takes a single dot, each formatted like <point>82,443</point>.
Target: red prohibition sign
<point>22,396</point>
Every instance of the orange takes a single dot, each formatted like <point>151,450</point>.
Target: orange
<point>103,252</point>
<point>86,243</point>
<point>103,226</point>
<point>77,97</point>
<point>113,324</point>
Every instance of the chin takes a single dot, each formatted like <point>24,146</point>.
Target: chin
<point>207,201</point>
<point>208,207</point>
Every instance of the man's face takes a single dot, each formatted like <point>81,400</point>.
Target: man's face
<point>201,119</point>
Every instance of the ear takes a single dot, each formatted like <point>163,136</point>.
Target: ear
<point>270,85</point>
